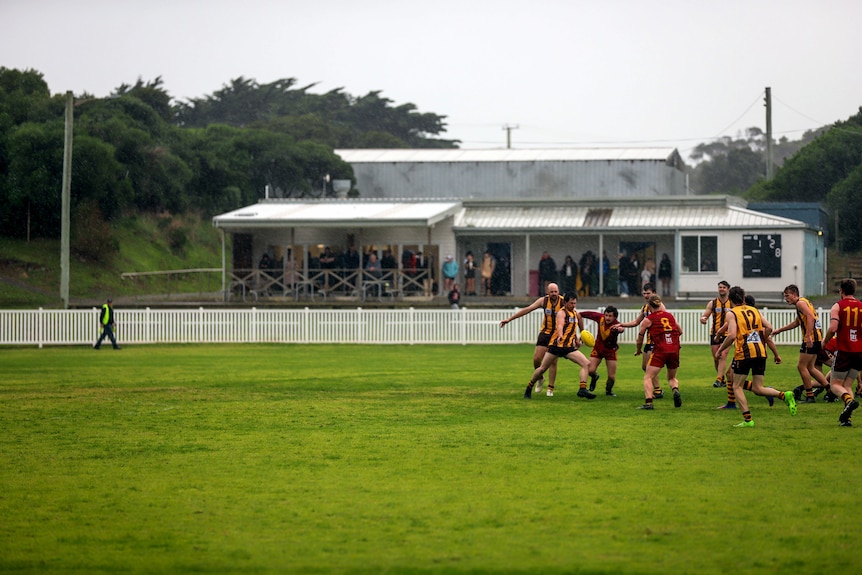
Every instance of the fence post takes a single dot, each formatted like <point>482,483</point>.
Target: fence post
<point>411,322</point>
<point>39,330</point>
<point>462,325</point>
<point>253,325</point>
<point>201,325</point>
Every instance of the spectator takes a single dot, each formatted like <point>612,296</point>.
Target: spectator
<point>422,275</point>
<point>470,274</point>
<point>266,262</point>
<point>501,278</point>
<point>374,272</point>
<point>568,275</point>
<point>606,270</point>
<point>374,267</point>
<point>349,264</point>
<point>450,273</point>
<point>488,266</point>
<point>648,272</point>
<point>327,259</point>
<point>389,264</point>
<point>665,273</point>
<point>588,272</point>
<point>350,259</point>
<point>623,268</point>
<point>408,268</point>
<point>634,274</point>
<point>547,272</point>
<point>454,296</point>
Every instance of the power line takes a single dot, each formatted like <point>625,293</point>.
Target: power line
<point>756,100</point>
<point>700,139</point>
<point>791,108</point>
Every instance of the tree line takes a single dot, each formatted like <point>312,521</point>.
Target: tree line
<point>138,149</point>
<point>824,167</point>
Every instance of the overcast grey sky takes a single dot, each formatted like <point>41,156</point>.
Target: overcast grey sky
<point>571,73</point>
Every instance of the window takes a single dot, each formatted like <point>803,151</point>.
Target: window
<point>699,253</point>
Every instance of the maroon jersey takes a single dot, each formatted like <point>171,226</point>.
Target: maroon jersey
<point>607,337</point>
<point>849,332</point>
<point>664,332</point>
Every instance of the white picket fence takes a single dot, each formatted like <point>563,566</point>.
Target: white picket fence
<point>313,325</point>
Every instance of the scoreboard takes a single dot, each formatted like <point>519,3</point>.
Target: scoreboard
<point>761,255</point>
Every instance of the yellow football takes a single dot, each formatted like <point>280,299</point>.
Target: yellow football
<point>587,338</point>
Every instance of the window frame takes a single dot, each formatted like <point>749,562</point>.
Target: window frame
<point>703,252</point>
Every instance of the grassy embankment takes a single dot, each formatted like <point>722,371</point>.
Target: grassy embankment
<point>30,271</point>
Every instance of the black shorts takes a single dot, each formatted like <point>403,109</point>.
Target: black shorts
<point>755,365</point>
<point>544,340</point>
<point>560,351</point>
<point>846,361</point>
<point>717,339</point>
<point>648,347</point>
<point>813,350</point>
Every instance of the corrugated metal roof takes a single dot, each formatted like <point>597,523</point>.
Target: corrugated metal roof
<point>700,214</point>
<point>336,213</point>
<point>569,218</point>
<point>360,156</point>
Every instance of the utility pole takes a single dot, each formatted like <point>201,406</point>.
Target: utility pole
<point>770,168</point>
<point>65,212</point>
<point>508,130</point>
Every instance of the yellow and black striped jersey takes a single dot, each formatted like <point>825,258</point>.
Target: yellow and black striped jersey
<point>750,340</point>
<point>549,314</point>
<point>803,320</point>
<point>719,315</point>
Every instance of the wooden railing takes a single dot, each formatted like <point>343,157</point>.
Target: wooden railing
<point>254,284</point>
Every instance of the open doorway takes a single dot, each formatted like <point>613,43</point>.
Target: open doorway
<point>635,259</point>
<point>501,280</point>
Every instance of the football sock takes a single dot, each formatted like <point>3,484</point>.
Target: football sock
<point>746,415</point>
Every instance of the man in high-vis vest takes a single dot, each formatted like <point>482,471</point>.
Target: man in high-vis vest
<point>106,320</point>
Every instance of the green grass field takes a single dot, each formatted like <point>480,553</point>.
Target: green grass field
<point>399,459</point>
